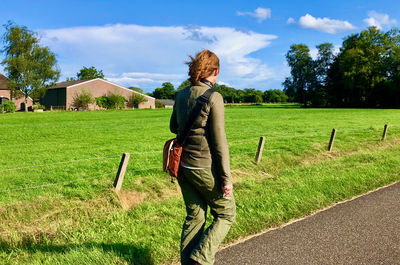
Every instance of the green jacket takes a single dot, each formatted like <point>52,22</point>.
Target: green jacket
<point>206,145</point>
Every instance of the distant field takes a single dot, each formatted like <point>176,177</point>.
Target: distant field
<point>57,170</point>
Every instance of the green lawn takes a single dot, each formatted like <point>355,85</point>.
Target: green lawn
<point>57,170</point>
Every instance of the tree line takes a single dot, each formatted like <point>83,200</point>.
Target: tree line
<point>230,94</point>
<point>364,73</point>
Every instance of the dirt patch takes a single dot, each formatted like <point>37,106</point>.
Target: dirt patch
<point>170,192</point>
<point>128,199</point>
<point>267,175</point>
<point>238,174</point>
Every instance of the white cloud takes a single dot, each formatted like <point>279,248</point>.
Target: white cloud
<point>327,25</point>
<point>140,78</point>
<point>223,83</point>
<point>379,20</point>
<point>260,13</point>
<point>290,21</point>
<point>146,56</point>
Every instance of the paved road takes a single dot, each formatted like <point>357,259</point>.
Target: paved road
<point>362,231</point>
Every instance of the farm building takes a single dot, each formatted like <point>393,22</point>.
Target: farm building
<point>62,95</point>
<point>169,103</point>
<point>5,94</point>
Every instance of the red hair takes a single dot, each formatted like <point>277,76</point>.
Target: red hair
<point>205,63</point>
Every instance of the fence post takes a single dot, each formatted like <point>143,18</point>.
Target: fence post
<point>333,135</point>
<point>384,132</point>
<point>121,171</point>
<point>260,149</point>
<point>51,107</point>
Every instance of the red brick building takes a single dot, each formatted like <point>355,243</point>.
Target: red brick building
<point>62,95</point>
<point>5,94</point>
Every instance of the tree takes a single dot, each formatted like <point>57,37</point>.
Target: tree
<point>302,73</point>
<point>252,96</point>
<point>136,89</point>
<point>166,91</point>
<point>364,73</point>
<point>322,64</point>
<point>228,93</point>
<point>135,100</point>
<point>89,73</point>
<point>30,68</point>
<point>274,96</point>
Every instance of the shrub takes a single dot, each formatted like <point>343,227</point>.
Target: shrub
<point>116,101</point>
<point>159,104</point>
<point>8,106</point>
<point>38,106</point>
<point>83,100</point>
<point>103,102</point>
<point>135,100</point>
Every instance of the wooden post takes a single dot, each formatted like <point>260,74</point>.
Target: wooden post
<point>384,132</point>
<point>333,135</point>
<point>121,171</point>
<point>51,108</point>
<point>260,149</point>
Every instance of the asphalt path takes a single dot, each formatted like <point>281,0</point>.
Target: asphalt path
<point>365,230</point>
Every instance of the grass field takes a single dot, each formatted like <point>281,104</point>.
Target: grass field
<point>57,170</point>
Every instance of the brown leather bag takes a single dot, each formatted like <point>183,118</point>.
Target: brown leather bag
<point>173,148</point>
<point>172,157</point>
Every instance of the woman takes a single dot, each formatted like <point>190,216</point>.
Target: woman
<point>204,175</point>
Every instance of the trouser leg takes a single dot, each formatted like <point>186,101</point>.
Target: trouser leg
<point>223,210</point>
<point>193,226</point>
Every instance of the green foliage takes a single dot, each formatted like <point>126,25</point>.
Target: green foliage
<point>159,104</point>
<point>252,95</point>
<point>89,73</point>
<point>137,89</point>
<point>116,101</point>
<point>302,78</point>
<point>30,68</point>
<point>229,94</point>
<point>82,100</point>
<point>102,102</point>
<point>135,100</point>
<point>166,91</point>
<point>275,96</point>
<point>113,101</point>
<point>38,106</point>
<point>8,106</point>
<point>365,73</point>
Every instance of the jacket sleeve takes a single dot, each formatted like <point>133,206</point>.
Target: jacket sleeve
<point>218,139</point>
<point>173,123</point>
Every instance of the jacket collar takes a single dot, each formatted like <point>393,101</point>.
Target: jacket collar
<point>205,83</point>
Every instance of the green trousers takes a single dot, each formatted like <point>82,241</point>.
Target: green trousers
<point>201,188</point>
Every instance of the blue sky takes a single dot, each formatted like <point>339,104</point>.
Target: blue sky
<point>145,43</point>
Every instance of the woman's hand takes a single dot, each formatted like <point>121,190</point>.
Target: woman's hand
<point>227,190</point>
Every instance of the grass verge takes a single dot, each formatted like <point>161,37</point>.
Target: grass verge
<point>100,231</point>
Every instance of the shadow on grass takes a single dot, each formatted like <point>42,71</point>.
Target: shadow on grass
<point>130,253</point>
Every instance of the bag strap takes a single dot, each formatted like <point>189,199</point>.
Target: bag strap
<point>203,99</point>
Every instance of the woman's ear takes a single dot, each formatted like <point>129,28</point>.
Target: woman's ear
<point>216,72</point>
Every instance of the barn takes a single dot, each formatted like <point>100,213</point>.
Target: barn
<point>62,95</point>
<point>5,94</point>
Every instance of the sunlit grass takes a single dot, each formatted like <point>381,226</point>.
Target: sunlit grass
<point>54,212</point>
